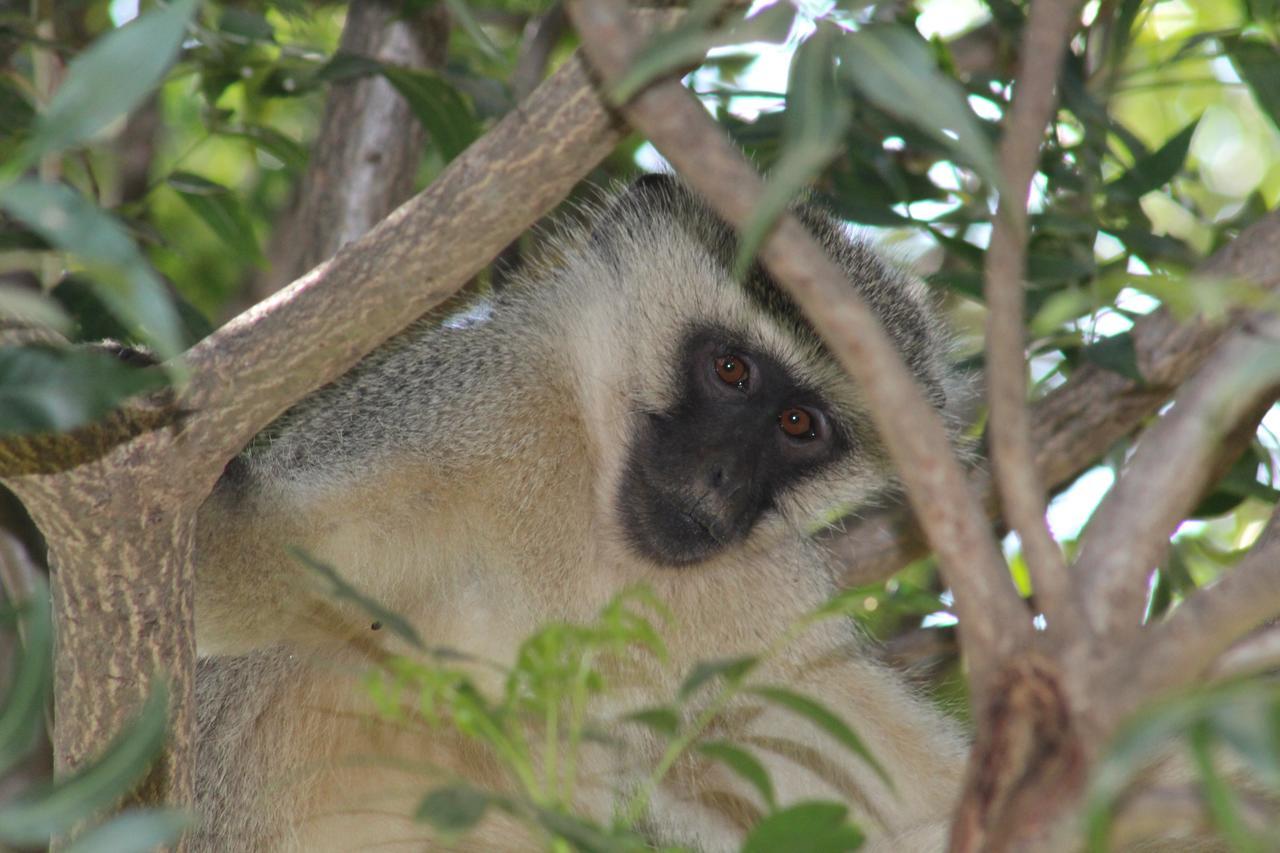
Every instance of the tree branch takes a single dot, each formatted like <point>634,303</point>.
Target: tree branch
<point>1181,649</point>
<point>1044,41</point>
<point>993,620</point>
<point>251,369</point>
<point>1075,424</point>
<point>1129,533</point>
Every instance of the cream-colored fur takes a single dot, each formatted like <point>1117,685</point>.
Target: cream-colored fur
<point>466,476</point>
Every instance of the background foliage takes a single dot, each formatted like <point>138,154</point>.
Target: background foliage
<point>148,152</point>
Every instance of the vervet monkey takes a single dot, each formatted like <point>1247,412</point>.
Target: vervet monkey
<point>628,414</point>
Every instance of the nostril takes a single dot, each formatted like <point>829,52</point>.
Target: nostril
<point>715,477</point>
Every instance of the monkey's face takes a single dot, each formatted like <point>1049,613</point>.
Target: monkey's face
<point>741,429</point>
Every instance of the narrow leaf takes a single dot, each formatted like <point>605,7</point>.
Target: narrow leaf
<point>453,809</point>
<point>220,210</point>
<point>686,45</point>
<point>817,115</point>
<point>292,154</point>
<point>438,107</point>
<point>663,721</point>
<point>742,763</point>
<point>43,389</point>
<point>815,827</point>
<point>1259,66</point>
<point>30,307</point>
<point>730,669</point>
<point>134,832</point>
<point>824,719</point>
<point>1155,169</point>
<point>893,68</point>
<point>391,620</point>
<point>133,59</point>
<point>30,681</point>
<point>122,276</point>
<point>1116,354</point>
<point>36,815</point>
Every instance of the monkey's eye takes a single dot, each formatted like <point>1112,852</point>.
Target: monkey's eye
<point>797,423</point>
<point>732,370</point>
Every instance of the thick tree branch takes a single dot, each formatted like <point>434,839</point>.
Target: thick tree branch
<point>254,367</point>
<point>1044,41</point>
<point>993,620</point>
<point>1075,424</point>
<point>1129,533</point>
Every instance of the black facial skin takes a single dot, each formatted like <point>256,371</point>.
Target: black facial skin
<point>701,474</point>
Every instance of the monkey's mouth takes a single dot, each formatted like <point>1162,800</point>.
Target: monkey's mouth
<point>665,529</point>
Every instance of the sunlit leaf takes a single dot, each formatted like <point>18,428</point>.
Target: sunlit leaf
<point>816,827</point>
<point>220,210</point>
<point>742,763</point>
<point>822,717</point>
<point>124,280</point>
<point>43,389</point>
<point>133,58</point>
<point>46,810</point>
<point>339,588</point>
<point>134,832</point>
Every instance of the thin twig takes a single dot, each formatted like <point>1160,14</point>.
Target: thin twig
<point>1044,41</point>
<point>1129,533</point>
<point>993,620</point>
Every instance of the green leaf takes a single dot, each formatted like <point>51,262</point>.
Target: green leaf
<point>246,24</point>
<point>824,719</point>
<point>220,210</point>
<point>30,680</point>
<point>130,61</point>
<point>686,44</point>
<point>894,69</point>
<point>662,720</point>
<point>1155,169</point>
<point>587,837</point>
<point>1116,354</point>
<point>43,389</point>
<point>461,12</point>
<point>815,827</point>
<point>35,815</point>
<point>93,320</point>
<point>292,154</point>
<point>29,307</point>
<point>817,115</point>
<point>134,832</point>
<point>391,620</point>
<point>730,669</point>
<point>346,66</point>
<point>124,280</point>
<point>438,107</point>
<point>453,809</point>
<point>744,764</point>
<point>1223,804</point>
<point>1259,66</point>
<point>16,112</point>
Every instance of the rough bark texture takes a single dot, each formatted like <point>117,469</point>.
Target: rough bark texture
<point>120,513</point>
<point>366,155</point>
